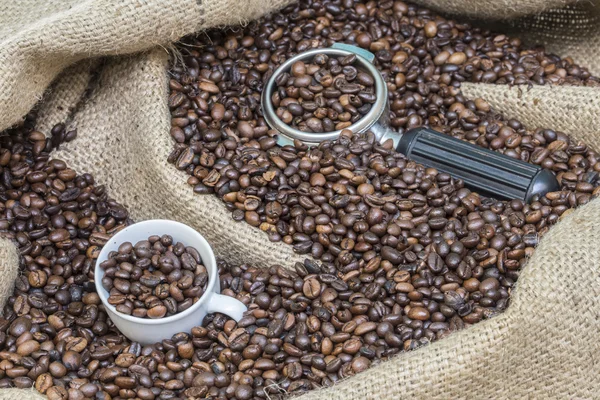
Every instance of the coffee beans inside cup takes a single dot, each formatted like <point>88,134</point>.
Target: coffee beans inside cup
<point>326,95</point>
<point>154,278</point>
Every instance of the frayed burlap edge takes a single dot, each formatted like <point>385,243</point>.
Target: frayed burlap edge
<point>64,96</point>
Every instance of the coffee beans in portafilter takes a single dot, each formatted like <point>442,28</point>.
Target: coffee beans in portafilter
<point>328,94</point>
<point>154,278</point>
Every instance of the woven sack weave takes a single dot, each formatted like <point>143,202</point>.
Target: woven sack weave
<point>39,39</point>
<point>543,346</point>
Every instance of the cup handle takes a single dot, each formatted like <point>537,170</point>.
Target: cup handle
<point>226,305</point>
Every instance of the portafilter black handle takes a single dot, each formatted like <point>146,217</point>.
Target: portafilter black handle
<point>484,171</point>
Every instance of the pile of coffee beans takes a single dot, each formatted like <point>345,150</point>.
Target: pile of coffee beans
<point>407,254</point>
<point>383,224</point>
<point>306,328</point>
<point>156,278</point>
<point>326,95</point>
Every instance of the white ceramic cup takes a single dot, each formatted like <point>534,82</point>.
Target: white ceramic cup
<point>148,331</point>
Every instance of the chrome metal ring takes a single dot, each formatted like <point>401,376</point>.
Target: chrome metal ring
<point>287,134</point>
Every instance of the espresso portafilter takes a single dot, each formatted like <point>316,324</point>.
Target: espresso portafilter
<point>489,173</point>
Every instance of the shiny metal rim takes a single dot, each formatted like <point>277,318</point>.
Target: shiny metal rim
<point>360,126</point>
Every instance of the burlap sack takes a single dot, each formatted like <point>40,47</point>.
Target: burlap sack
<point>543,346</point>
<point>41,38</point>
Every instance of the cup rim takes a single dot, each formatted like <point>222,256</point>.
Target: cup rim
<point>120,237</point>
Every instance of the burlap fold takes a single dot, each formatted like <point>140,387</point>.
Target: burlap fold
<point>9,269</point>
<point>39,39</point>
<point>123,141</point>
